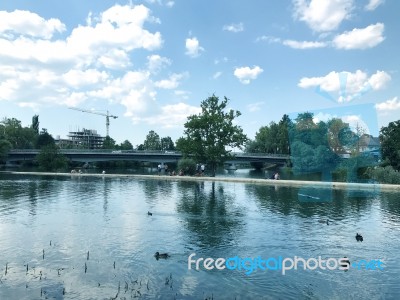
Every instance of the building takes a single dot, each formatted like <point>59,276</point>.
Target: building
<point>85,139</point>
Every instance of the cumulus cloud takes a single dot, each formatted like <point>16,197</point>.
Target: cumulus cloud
<point>171,83</point>
<point>115,59</point>
<point>304,44</point>
<point>373,4</point>
<point>363,38</point>
<point>157,62</point>
<point>389,105</point>
<point>234,27</point>
<point>348,85</point>
<point>246,74</point>
<point>322,15</point>
<point>23,22</point>
<point>172,115</point>
<point>36,69</point>
<point>193,48</point>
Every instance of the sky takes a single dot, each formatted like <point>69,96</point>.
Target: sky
<point>152,62</point>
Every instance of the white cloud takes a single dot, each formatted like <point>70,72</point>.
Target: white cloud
<point>269,39</point>
<point>324,117</point>
<point>182,94</point>
<point>348,85</point>
<point>78,78</point>
<point>389,105</point>
<point>360,38</point>
<point>373,4</point>
<point>379,80</point>
<point>356,123</point>
<point>245,74</point>
<point>193,48</point>
<point>36,70</point>
<point>234,27</point>
<point>224,60</point>
<point>171,83</point>
<point>217,75</point>
<point>23,22</point>
<point>173,115</point>
<point>253,107</point>
<point>157,62</point>
<point>115,59</point>
<point>304,44</point>
<point>322,15</point>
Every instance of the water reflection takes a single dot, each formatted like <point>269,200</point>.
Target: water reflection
<point>210,214</point>
<point>64,218</point>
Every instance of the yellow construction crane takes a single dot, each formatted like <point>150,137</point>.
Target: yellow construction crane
<point>107,115</point>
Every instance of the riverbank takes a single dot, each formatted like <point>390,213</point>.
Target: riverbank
<point>295,183</point>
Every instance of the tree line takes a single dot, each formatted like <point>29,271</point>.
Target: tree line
<point>210,136</point>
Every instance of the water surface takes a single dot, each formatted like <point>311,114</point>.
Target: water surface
<point>50,228</point>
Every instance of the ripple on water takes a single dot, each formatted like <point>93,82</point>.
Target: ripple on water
<point>108,218</point>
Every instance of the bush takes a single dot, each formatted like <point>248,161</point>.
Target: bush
<point>384,174</point>
<point>188,166</point>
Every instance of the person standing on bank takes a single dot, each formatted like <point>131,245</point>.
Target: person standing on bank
<point>202,169</point>
<point>159,169</point>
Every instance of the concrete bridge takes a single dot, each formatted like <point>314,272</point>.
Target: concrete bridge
<point>87,156</point>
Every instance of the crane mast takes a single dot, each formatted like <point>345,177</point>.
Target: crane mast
<point>107,115</point>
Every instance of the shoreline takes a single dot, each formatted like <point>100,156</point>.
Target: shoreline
<point>295,183</point>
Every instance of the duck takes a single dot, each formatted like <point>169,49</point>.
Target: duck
<point>323,221</point>
<point>149,213</point>
<point>159,255</point>
<point>359,237</point>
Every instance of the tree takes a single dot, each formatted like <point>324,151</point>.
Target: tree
<point>390,144</point>
<point>19,137</point>
<point>5,146</point>
<point>209,133</point>
<point>339,135</point>
<point>152,141</point>
<point>44,139</point>
<point>273,138</point>
<point>35,123</point>
<point>310,147</point>
<point>50,159</point>
<point>109,143</point>
<point>126,145</point>
<point>167,144</point>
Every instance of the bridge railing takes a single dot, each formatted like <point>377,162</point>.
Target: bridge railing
<point>113,151</point>
<point>261,154</point>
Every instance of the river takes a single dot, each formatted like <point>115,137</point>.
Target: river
<point>92,238</point>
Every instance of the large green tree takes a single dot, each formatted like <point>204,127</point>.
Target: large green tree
<point>310,145</point>
<point>390,144</point>
<point>50,159</point>
<point>152,141</point>
<point>18,136</point>
<point>273,138</point>
<point>108,143</point>
<point>211,132</point>
<point>167,143</point>
<point>44,139</point>
<point>126,145</point>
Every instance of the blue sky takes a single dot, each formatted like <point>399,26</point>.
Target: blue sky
<point>152,62</point>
